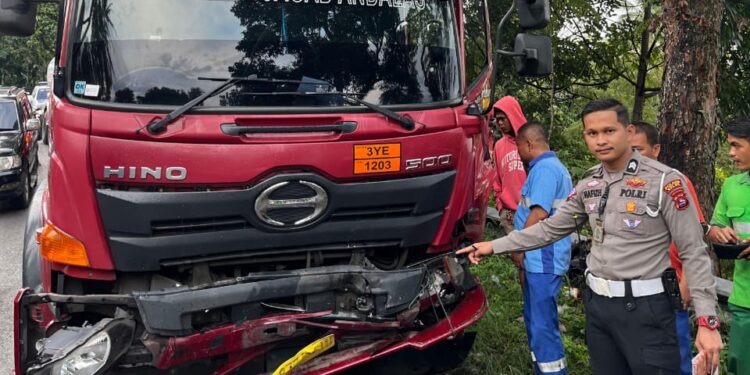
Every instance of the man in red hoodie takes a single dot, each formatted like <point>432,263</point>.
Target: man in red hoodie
<point>510,177</point>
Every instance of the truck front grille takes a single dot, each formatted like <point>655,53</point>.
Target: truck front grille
<point>149,228</point>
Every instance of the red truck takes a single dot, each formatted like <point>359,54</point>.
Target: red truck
<point>261,186</point>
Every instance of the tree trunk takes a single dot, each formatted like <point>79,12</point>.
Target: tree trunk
<point>643,58</point>
<point>689,95</point>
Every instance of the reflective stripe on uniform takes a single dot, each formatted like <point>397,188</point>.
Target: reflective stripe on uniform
<point>554,366</point>
<point>741,227</point>
<point>557,203</point>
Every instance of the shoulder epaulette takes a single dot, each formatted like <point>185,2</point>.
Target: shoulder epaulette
<point>657,165</point>
<point>591,171</point>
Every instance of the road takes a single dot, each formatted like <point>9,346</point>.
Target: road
<point>12,224</point>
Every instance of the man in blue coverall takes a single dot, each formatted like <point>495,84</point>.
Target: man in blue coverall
<point>547,187</point>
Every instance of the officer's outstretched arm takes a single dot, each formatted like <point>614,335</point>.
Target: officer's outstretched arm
<point>565,220</point>
<point>681,217</point>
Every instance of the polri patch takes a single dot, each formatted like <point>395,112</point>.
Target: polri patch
<point>631,223</point>
<point>633,193</point>
<point>588,194</point>
<point>630,206</point>
<point>672,185</point>
<point>591,207</point>
<point>572,194</point>
<point>680,200</point>
<point>635,182</point>
<point>632,167</point>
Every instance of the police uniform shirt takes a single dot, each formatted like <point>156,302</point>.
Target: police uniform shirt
<point>647,207</point>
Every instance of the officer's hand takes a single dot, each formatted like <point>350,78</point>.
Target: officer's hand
<point>723,235</point>
<point>745,254</point>
<point>709,342</point>
<point>477,252</point>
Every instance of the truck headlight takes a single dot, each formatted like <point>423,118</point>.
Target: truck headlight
<point>9,162</point>
<point>89,358</point>
<point>89,350</point>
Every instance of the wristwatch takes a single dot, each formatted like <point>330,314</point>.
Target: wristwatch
<point>709,321</point>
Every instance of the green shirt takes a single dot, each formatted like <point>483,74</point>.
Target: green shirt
<point>733,210</point>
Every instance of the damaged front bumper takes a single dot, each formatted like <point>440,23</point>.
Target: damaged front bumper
<point>233,324</point>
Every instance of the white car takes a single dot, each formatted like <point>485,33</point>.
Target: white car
<point>39,98</point>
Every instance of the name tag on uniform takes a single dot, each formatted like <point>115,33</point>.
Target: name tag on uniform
<point>598,236</point>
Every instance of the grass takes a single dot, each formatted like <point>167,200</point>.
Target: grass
<point>501,345</point>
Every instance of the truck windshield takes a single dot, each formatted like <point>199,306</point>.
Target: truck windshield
<point>154,51</point>
<point>8,115</point>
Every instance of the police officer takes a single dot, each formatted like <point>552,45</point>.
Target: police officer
<point>646,142</point>
<point>636,207</point>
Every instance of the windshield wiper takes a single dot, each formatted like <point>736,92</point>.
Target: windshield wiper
<point>349,97</point>
<point>405,122</point>
<point>160,126</point>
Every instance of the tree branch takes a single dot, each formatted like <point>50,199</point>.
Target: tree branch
<point>601,59</point>
<point>657,34</point>
<point>651,94</point>
<point>656,65</point>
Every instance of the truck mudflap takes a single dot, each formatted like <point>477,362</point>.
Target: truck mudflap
<point>415,307</point>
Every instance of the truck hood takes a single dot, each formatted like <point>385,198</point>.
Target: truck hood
<point>208,155</point>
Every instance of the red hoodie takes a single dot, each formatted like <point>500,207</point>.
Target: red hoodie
<point>510,175</point>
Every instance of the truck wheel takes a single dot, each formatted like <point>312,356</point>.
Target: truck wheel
<point>22,201</point>
<point>45,130</point>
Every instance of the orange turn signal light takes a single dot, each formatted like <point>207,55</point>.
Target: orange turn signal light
<point>59,247</point>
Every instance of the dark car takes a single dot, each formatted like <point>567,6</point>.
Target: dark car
<point>18,147</point>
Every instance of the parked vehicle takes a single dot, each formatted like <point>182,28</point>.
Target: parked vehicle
<point>234,182</point>
<point>39,96</point>
<point>18,148</point>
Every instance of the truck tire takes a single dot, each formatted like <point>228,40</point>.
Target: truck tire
<point>30,273</point>
<point>45,129</point>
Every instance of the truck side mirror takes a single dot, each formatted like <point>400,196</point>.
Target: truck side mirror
<point>17,17</point>
<point>533,14</point>
<point>533,55</point>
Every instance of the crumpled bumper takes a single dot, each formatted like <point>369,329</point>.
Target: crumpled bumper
<point>383,310</point>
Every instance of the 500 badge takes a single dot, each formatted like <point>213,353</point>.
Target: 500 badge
<point>431,161</point>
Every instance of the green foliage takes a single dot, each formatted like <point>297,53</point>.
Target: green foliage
<point>735,50</point>
<point>23,61</point>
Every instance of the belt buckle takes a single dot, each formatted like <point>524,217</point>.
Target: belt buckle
<point>603,286</point>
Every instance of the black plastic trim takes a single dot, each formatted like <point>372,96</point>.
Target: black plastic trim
<point>343,127</point>
<point>169,312</point>
<point>128,219</point>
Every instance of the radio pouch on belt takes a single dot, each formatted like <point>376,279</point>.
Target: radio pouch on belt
<point>672,288</point>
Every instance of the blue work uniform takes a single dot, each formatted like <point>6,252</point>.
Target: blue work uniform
<point>548,185</point>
